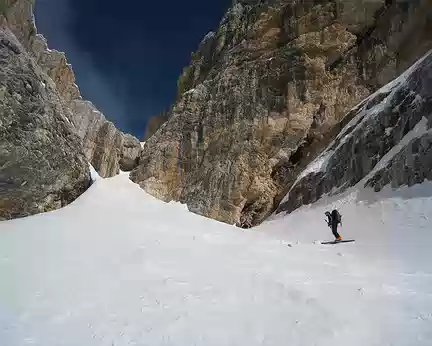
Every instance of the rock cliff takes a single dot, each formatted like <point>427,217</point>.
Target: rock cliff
<point>130,152</point>
<point>42,165</point>
<point>103,142</point>
<point>48,134</point>
<point>107,148</point>
<point>267,92</point>
<point>388,142</point>
<point>155,124</point>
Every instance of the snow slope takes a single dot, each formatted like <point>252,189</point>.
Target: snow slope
<point>118,267</point>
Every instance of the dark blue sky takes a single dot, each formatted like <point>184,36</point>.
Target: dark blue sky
<point>127,55</point>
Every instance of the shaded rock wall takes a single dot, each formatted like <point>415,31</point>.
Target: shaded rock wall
<point>106,159</point>
<point>42,165</point>
<point>130,152</point>
<point>387,142</point>
<point>413,165</point>
<point>267,92</point>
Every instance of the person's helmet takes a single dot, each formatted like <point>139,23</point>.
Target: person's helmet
<point>327,213</point>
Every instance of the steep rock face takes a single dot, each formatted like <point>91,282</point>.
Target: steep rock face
<point>42,166</point>
<point>387,142</point>
<point>102,141</point>
<point>107,148</point>
<point>55,65</point>
<point>412,165</point>
<point>155,124</point>
<point>130,152</point>
<point>19,15</point>
<point>104,153</point>
<point>267,92</point>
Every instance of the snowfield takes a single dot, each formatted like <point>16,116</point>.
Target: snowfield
<point>118,267</point>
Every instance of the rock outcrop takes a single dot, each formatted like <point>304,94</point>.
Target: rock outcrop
<point>55,65</point>
<point>101,140</point>
<point>42,165</point>
<point>43,124</point>
<point>130,153</point>
<point>388,142</point>
<point>267,92</point>
<point>107,148</point>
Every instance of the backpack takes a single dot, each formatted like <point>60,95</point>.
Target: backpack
<point>336,216</point>
<point>329,218</point>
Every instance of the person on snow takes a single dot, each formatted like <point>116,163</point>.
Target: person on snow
<point>333,220</point>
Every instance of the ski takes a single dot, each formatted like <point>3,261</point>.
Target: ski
<point>337,241</point>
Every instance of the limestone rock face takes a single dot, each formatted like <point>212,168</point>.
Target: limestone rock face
<point>19,16</point>
<point>55,65</point>
<point>42,165</point>
<point>412,165</point>
<point>413,162</point>
<point>107,148</point>
<point>103,153</point>
<point>130,153</point>
<point>388,142</point>
<point>47,132</point>
<point>155,124</point>
<point>102,141</point>
<point>267,92</point>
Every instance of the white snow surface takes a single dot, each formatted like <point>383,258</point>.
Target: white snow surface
<point>118,267</point>
<point>317,165</point>
<point>93,173</point>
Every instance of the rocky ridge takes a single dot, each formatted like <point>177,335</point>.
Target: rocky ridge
<point>106,148</point>
<point>48,134</point>
<point>42,164</point>
<point>267,92</point>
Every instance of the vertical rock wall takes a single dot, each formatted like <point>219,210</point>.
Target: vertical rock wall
<point>42,164</point>
<point>267,92</point>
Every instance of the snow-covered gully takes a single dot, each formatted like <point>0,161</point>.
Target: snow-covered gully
<point>118,267</point>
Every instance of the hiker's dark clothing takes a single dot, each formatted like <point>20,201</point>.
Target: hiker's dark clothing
<point>329,219</point>
<point>334,230</point>
<point>333,220</point>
